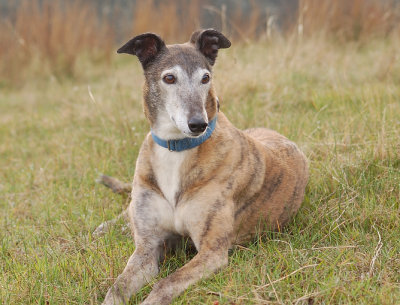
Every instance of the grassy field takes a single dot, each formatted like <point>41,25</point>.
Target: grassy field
<point>340,103</point>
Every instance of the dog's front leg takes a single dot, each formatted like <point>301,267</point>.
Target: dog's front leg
<point>202,265</point>
<point>213,239</point>
<point>141,268</point>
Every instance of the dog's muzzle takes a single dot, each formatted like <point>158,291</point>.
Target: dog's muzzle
<point>197,124</point>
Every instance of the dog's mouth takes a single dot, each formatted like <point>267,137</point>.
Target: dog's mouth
<point>194,134</point>
<point>187,132</point>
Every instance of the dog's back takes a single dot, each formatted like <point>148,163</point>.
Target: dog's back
<point>261,171</point>
<point>285,156</point>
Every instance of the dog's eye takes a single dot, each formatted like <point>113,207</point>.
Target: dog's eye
<point>169,79</point>
<point>205,79</point>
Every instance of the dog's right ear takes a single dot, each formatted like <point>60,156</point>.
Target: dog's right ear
<point>145,46</point>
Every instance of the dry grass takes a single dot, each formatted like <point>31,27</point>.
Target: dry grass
<point>50,37</point>
<point>356,20</point>
<point>173,20</point>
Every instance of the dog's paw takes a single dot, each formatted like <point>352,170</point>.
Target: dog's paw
<point>106,226</point>
<point>103,228</point>
<point>113,298</point>
<point>157,299</point>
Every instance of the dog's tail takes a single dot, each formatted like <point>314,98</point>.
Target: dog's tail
<point>114,184</point>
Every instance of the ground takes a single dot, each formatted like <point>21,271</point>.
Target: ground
<point>339,103</point>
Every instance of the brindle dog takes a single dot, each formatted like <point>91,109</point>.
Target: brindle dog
<point>218,191</point>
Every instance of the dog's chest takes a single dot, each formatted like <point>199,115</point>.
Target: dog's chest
<point>167,169</point>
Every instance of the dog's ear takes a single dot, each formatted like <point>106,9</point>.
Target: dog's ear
<point>208,42</point>
<point>145,46</point>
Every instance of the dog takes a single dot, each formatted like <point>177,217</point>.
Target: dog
<point>196,174</point>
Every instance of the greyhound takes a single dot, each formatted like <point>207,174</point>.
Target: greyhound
<point>196,174</point>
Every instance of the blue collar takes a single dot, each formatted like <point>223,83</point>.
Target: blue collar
<point>186,143</point>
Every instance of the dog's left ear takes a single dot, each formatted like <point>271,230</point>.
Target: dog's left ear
<point>208,42</point>
<point>145,46</point>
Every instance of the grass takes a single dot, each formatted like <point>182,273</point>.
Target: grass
<point>42,37</point>
<point>338,102</point>
<point>48,36</point>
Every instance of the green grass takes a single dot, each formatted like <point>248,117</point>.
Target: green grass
<point>339,103</point>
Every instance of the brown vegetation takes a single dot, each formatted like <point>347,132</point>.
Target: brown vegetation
<point>173,20</point>
<point>355,20</point>
<point>50,36</point>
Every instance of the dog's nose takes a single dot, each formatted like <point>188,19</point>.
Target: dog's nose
<point>197,124</point>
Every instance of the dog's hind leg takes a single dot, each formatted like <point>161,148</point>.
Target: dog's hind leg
<point>117,187</point>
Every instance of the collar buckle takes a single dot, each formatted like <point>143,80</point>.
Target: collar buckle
<point>169,145</point>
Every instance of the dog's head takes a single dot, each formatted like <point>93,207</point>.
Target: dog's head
<point>179,98</point>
